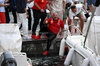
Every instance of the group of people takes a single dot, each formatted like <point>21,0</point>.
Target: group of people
<point>60,10</point>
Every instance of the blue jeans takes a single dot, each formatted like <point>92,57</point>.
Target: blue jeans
<point>89,2</point>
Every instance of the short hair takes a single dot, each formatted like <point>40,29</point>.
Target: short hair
<point>56,13</point>
<point>73,6</point>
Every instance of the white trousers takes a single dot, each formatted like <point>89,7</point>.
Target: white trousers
<point>21,19</point>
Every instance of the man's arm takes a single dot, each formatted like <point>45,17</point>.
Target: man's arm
<point>48,7</point>
<point>62,30</point>
<point>38,7</point>
<point>3,4</point>
<point>84,2</point>
<point>64,5</point>
<point>72,22</point>
<point>85,8</point>
<point>26,12</point>
<point>6,1</point>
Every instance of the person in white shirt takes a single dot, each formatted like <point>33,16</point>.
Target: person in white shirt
<point>58,6</point>
<point>2,11</point>
<point>76,10</point>
<point>29,13</point>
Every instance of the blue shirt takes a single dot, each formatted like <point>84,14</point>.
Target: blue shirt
<point>21,5</point>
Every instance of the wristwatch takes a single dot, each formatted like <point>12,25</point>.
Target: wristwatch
<point>40,9</point>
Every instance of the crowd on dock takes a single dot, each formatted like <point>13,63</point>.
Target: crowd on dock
<point>61,12</point>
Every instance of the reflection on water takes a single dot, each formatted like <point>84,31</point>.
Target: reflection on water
<point>48,61</point>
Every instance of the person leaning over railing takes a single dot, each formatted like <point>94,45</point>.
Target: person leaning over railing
<point>76,10</point>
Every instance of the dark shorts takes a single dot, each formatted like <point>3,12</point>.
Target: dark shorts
<point>89,2</point>
<point>66,13</point>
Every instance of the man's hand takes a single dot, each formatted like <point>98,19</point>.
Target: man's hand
<point>27,16</point>
<point>41,10</point>
<point>45,21</point>
<point>7,4</point>
<point>61,33</point>
<point>87,11</point>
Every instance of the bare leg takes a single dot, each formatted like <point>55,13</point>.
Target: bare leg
<point>64,20</point>
<point>81,22</point>
<point>91,9</point>
<point>70,23</point>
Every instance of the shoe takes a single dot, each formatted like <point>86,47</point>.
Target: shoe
<point>66,48</point>
<point>81,33</point>
<point>26,37</point>
<point>65,27</point>
<point>33,36</point>
<point>45,53</point>
<point>38,37</point>
<point>75,30</point>
<point>45,36</point>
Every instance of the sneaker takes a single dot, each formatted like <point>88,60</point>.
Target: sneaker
<point>45,35</point>
<point>38,37</point>
<point>65,27</point>
<point>27,37</point>
<point>75,30</point>
<point>33,36</point>
<point>45,53</point>
<point>66,48</point>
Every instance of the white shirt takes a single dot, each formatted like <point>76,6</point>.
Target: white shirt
<point>57,5</point>
<point>2,9</point>
<point>30,5</point>
<point>69,1</point>
<point>27,5</point>
<point>78,7</point>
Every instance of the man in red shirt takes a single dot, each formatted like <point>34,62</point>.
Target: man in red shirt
<point>54,24</point>
<point>39,12</point>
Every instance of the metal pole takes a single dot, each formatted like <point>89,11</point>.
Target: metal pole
<point>89,25</point>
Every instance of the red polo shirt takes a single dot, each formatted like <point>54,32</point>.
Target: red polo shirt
<point>41,3</point>
<point>54,25</point>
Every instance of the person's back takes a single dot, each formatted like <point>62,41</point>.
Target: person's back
<point>21,4</point>
<point>12,5</point>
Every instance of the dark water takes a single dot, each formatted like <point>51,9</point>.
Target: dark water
<point>48,61</point>
<point>36,48</point>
